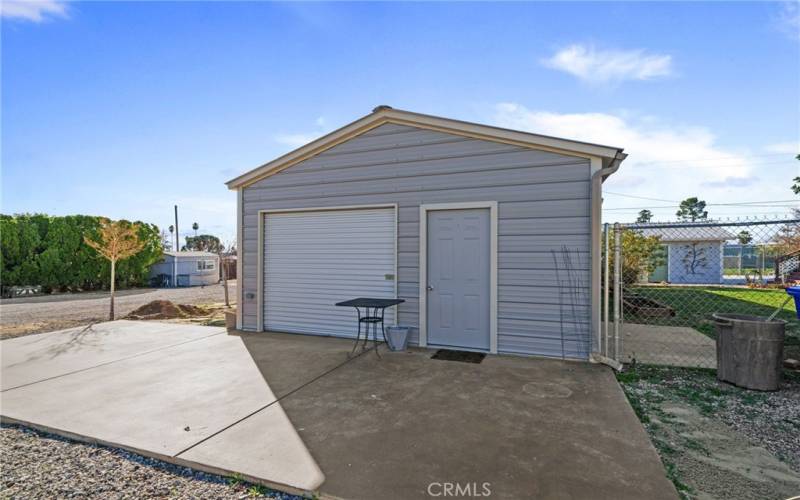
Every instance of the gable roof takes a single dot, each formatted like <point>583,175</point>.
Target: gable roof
<point>189,254</point>
<point>385,114</point>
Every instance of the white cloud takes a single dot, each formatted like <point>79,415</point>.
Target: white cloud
<point>665,161</point>
<point>784,147</point>
<point>301,139</point>
<point>608,66</point>
<point>731,182</point>
<point>33,10</point>
<point>788,20</point>
<point>295,140</point>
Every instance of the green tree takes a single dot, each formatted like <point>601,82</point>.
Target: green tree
<point>788,238</point>
<point>10,250</point>
<point>744,237</point>
<point>645,216</point>
<point>641,255</point>
<point>692,209</point>
<point>135,270</point>
<point>50,251</point>
<point>203,243</point>
<point>64,261</point>
<point>21,238</point>
<point>796,185</point>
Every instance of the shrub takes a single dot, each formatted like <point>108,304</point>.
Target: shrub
<point>37,249</point>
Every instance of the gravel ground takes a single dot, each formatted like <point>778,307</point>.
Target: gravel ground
<point>36,465</point>
<point>717,440</point>
<point>56,312</point>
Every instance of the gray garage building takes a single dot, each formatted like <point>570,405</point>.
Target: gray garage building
<point>490,235</point>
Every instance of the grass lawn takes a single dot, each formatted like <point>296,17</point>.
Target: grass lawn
<point>694,306</point>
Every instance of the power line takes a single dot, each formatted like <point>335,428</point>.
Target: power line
<point>639,197</point>
<point>720,158</point>
<point>722,214</point>
<point>708,205</point>
<point>754,202</point>
<point>694,165</point>
<point>762,203</point>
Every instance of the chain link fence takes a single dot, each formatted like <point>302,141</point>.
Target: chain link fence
<point>669,278</point>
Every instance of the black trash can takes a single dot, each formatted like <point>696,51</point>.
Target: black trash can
<point>749,350</point>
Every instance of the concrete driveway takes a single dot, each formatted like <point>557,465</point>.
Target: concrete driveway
<point>667,345</point>
<point>293,412</point>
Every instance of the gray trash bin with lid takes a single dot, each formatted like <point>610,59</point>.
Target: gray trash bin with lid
<point>397,337</point>
<point>749,350</point>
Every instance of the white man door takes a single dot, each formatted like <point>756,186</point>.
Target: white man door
<point>458,278</point>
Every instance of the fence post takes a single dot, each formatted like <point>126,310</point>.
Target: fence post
<point>617,288</point>
<point>603,341</point>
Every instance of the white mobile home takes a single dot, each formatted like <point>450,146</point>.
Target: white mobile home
<point>491,236</point>
<point>185,269</point>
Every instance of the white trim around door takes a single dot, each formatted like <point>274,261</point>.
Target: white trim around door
<point>423,266</point>
<point>260,267</point>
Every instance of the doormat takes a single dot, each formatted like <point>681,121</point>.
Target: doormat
<point>463,356</point>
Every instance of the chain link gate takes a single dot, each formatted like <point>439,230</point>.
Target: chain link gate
<point>662,282</point>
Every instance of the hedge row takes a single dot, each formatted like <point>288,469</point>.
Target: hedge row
<point>38,249</point>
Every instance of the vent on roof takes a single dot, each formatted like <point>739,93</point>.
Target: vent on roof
<point>381,108</point>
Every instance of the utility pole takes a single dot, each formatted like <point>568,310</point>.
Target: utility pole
<point>177,233</point>
<point>177,249</point>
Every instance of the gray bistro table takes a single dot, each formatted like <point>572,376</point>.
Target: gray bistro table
<point>368,318</point>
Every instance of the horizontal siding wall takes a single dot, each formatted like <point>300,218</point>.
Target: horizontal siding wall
<point>543,208</point>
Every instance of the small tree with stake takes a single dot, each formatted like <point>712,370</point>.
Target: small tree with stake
<point>117,240</point>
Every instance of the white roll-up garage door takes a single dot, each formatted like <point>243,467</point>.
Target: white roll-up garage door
<point>314,259</point>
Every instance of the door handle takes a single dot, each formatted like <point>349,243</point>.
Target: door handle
<point>429,288</point>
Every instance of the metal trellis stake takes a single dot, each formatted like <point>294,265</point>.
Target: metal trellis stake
<point>617,289</point>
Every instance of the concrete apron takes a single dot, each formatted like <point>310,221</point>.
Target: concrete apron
<point>161,390</point>
<point>389,428</point>
<point>407,426</point>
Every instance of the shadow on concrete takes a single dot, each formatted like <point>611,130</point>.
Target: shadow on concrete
<point>395,427</point>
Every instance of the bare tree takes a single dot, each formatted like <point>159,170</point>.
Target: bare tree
<point>118,240</point>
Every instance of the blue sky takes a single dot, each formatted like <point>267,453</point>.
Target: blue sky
<point>124,109</point>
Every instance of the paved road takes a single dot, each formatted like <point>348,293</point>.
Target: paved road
<point>42,314</point>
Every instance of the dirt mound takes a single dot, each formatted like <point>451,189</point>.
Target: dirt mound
<point>165,309</point>
<point>190,310</point>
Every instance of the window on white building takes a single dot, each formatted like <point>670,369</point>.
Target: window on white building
<point>204,265</point>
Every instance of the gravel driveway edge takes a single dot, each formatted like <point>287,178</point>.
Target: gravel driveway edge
<point>38,463</point>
